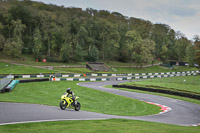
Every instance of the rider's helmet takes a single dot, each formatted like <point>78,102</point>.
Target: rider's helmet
<point>68,90</point>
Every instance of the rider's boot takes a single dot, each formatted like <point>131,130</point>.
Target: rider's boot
<point>73,103</point>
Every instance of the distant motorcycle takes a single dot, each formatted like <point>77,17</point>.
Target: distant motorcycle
<point>67,102</point>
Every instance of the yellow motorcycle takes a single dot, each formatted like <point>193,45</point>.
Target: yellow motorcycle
<point>67,102</point>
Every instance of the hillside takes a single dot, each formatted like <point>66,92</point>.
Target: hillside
<point>72,34</point>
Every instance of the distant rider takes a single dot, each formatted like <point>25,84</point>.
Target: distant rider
<point>72,94</point>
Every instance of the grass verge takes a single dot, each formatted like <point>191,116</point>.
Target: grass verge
<point>98,126</point>
<point>189,84</point>
<point>49,93</point>
<point>160,94</point>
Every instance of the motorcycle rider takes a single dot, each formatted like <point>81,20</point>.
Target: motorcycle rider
<point>71,93</point>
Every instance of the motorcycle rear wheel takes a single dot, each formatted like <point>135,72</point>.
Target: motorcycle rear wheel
<point>77,106</point>
<point>62,105</point>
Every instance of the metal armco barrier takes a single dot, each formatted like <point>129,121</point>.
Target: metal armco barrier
<point>143,74</point>
<point>158,76</point>
<point>79,79</point>
<point>96,75</point>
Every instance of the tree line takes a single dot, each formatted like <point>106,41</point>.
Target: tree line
<point>73,35</point>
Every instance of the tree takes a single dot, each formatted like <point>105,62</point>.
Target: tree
<point>160,35</point>
<point>14,46</point>
<point>37,41</point>
<point>85,37</point>
<point>163,53</point>
<point>122,53</point>
<point>109,37</point>
<point>148,51</point>
<point>56,39</point>
<point>93,54</point>
<point>190,55</point>
<point>46,30</point>
<point>144,28</point>
<point>65,32</point>
<point>66,52</point>
<point>171,38</point>
<point>197,48</point>
<point>78,53</point>
<point>180,47</point>
<point>134,43</point>
<point>2,42</point>
<point>2,39</point>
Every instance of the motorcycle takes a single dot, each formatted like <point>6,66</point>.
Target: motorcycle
<point>67,102</point>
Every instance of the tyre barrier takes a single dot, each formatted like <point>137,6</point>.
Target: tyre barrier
<point>33,80</point>
<point>182,94</point>
<point>11,85</point>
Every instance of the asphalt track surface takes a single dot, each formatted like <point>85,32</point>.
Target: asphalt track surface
<point>181,113</point>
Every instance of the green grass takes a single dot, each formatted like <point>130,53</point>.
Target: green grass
<point>190,84</point>
<point>98,126</point>
<point>50,63</point>
<point>160,94</point>
<point>29,60</point>
<point>6,68</point>
<point>18,69</point>
<point>49,93</point>
<point>116,63</point>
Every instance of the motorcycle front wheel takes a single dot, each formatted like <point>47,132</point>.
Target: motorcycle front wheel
<point>62,105</point>
<point>77,106</point>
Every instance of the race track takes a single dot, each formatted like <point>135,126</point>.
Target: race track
<point>181,113</point>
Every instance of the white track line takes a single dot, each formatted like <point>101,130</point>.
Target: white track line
<point>10,123</point>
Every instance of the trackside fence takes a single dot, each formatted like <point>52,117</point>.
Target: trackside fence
<point>164,74</point>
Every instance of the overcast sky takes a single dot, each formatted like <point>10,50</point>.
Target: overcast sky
<point>180,15</point>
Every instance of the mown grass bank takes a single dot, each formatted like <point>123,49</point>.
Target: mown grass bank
<point>29,60</point>
<point>188,84</point>
<point>6,68</point>
<point>98,126</point>
<point>49,93</point>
